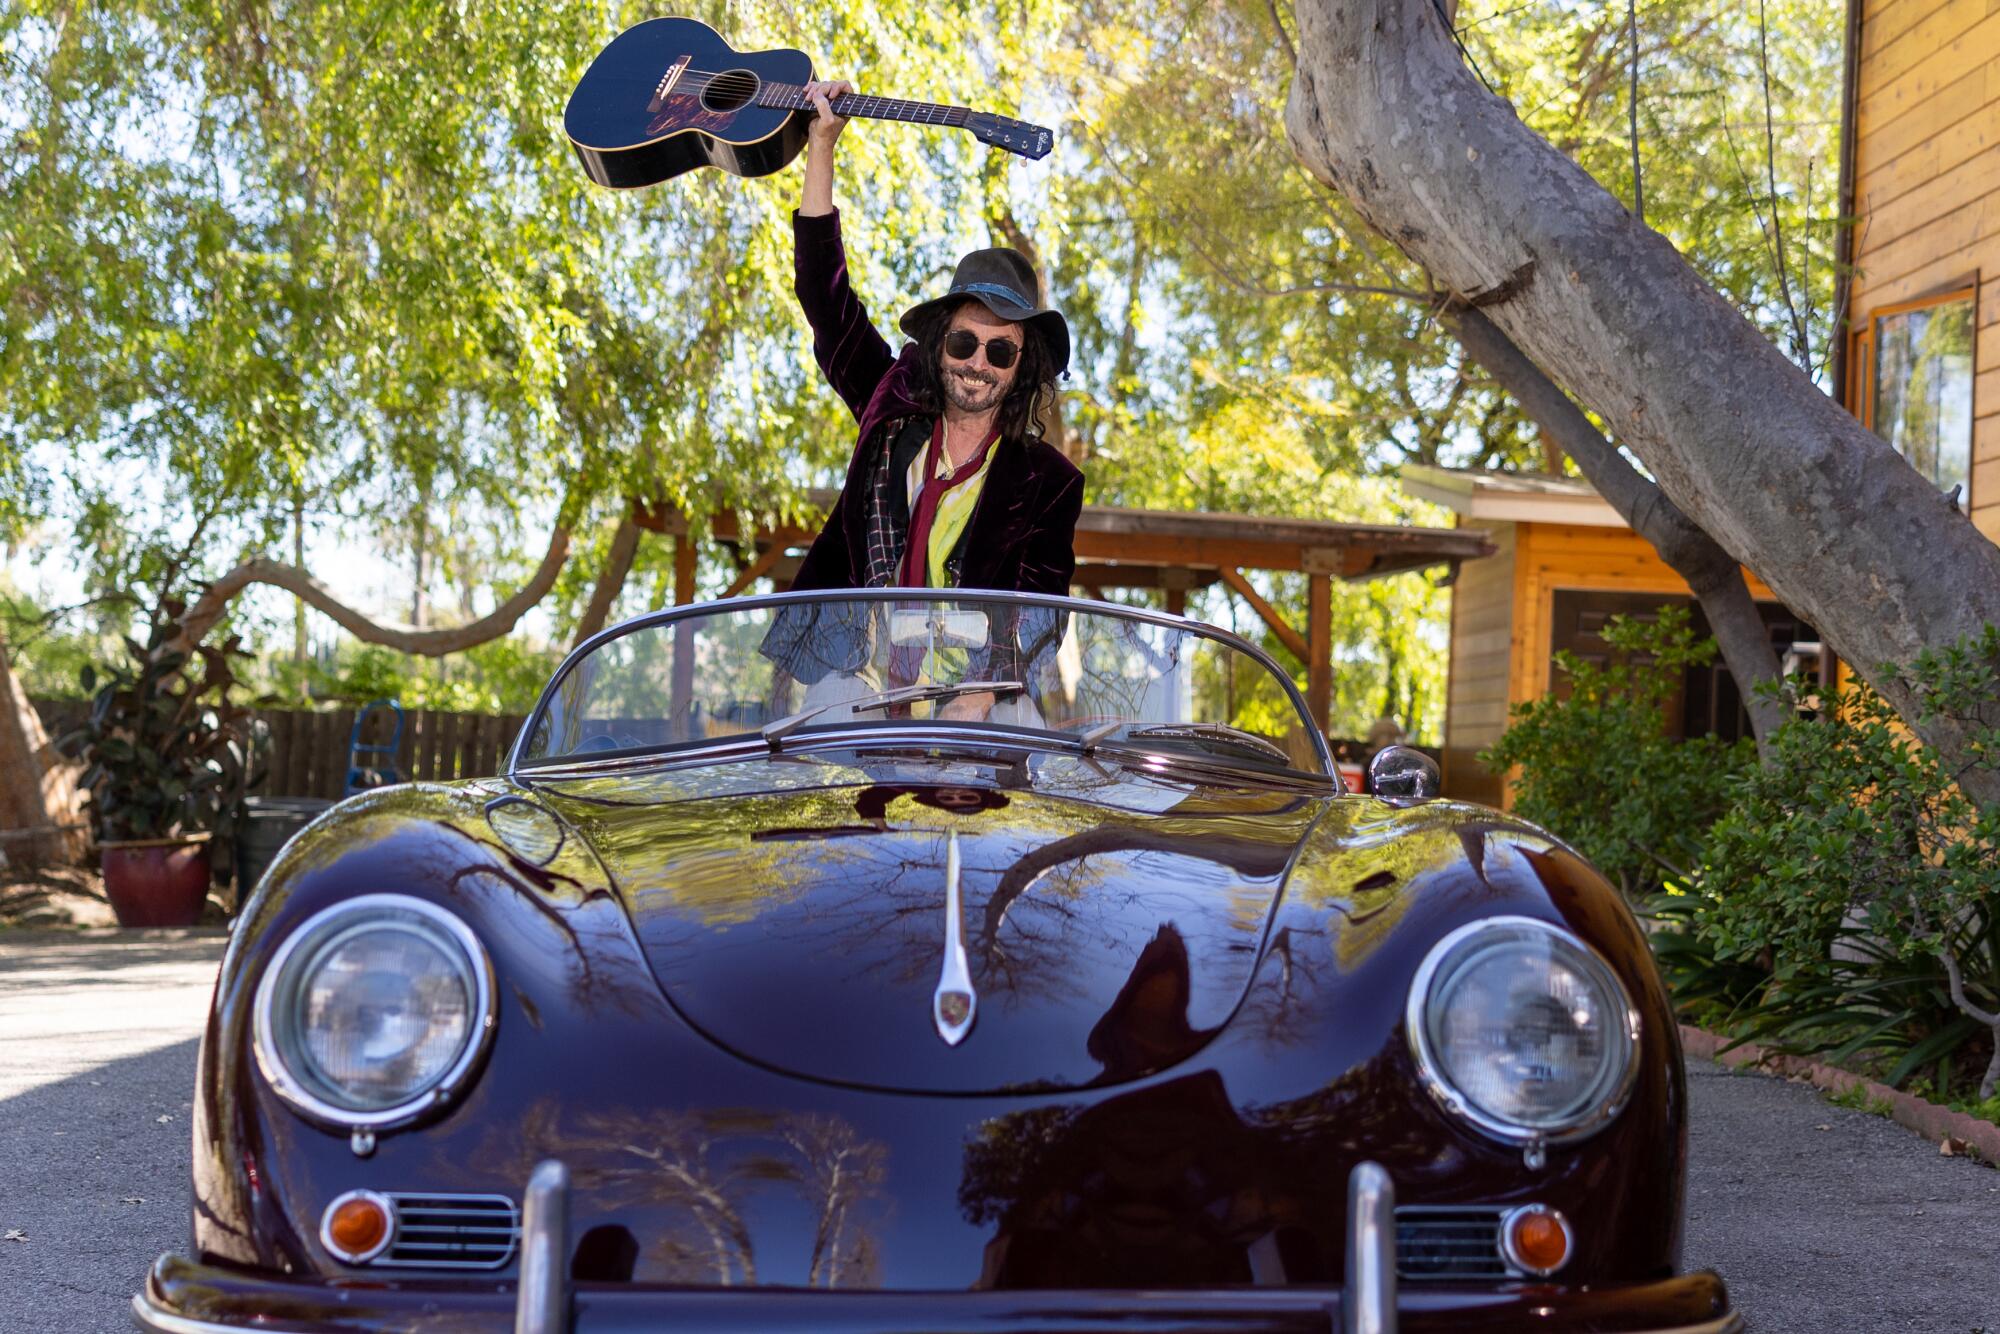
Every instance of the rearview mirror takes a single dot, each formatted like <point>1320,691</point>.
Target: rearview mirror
<point>962,628</point>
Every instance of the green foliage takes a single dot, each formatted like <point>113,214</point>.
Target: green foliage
<point>1739,122</point>
<point>500,677</point>
<point>1961,683</point>
<point>1849,881</point>
<point>1709,991</point>
<point>1597,766</point>
<point>164,751</point>
<point>1853,822</point>
<point>350,266</point>
<point>47,660</point>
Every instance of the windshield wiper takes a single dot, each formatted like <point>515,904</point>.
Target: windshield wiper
<point>1222,734</point>
<point>775,731</point>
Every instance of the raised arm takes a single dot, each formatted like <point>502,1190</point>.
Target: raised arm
<point>851,354</point>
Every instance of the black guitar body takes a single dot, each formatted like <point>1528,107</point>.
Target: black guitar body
<point>669,95</point>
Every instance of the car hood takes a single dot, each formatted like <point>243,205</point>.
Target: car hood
<point>1112,919</point>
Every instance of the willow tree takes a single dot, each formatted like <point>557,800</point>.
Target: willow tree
<point>266,265</point>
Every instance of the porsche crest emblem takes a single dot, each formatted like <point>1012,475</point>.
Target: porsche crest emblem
<point>954,1005</point>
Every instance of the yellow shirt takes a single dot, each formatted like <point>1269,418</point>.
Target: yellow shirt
<point>954,509</point>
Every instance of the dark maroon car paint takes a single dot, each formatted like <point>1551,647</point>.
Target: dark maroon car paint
<point>713,1006</point>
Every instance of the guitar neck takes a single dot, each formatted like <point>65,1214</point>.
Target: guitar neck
<point>792,97</point>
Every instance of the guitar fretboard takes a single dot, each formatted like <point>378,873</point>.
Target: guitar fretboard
<point>792,97</point>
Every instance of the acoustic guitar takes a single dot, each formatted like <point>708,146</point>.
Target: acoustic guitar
<point>669,95</point>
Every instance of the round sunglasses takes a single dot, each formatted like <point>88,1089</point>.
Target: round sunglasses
<point>960,344</point>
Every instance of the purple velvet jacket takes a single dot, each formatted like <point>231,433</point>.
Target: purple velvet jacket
<point>1022,533</point>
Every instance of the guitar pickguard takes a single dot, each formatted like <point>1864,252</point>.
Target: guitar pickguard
<point>684,111</point>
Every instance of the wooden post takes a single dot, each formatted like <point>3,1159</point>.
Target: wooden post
<point>679,722</point>
<point>1319,637</point>
<point>684,569</point>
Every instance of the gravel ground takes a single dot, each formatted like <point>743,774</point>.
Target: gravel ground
<point>1821,1219</point>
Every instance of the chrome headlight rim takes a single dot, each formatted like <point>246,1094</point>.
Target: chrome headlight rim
<point>1415,1023</point>
<point>324,927</point>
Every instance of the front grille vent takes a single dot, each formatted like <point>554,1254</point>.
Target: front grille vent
<point>1449,1241</point>
<point>453,1231</point>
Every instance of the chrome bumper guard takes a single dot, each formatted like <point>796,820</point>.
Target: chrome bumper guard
<point>545,1302</point>
<point>1367,1306</point>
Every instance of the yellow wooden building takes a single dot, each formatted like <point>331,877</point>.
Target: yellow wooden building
<point>1920,175</point>
<point>1565,563</point>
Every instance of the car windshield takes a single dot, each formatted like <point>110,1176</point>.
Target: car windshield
<point>1094,673</point>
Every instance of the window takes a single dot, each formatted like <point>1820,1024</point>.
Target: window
<point>1913,383</point>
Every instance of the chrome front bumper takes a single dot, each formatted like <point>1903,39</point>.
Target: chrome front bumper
<point>183,1298</point>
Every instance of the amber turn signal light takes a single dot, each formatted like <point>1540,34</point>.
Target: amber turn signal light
<point>1536,1239</point>
<point>357,1226</point>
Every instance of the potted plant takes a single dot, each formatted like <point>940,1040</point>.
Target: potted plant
<point>167,760</point>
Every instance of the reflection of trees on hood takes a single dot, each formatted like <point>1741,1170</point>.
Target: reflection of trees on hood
<point>838,1172</point>
<point>1156,1187</point>
<point>1006,1154</point>
<point>1121,1192</point>
<point>1065,877</point>
<point>698,1172</point>
<point>1365,862</point>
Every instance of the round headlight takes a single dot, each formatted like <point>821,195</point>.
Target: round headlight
<point>1524,1031</point>
<point>373,1011</point>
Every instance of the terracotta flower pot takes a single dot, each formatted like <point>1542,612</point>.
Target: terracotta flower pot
<point>156,881</point>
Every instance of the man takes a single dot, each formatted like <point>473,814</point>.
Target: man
<point>950,483</point>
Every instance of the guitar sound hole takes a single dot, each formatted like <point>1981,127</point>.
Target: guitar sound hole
<point>730,91</point>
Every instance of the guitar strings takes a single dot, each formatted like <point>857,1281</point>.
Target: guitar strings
<point>746,82</point>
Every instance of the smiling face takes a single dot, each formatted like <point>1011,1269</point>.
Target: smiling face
<point>975,385</point>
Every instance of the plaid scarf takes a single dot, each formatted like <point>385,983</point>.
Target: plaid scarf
<point>885,516</point>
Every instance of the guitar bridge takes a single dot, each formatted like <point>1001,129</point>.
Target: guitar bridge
<point>665,88</point>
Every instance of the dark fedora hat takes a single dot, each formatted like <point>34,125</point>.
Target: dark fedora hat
<point>1003,281</point>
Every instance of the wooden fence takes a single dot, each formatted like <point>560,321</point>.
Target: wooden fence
<point>309,748</point>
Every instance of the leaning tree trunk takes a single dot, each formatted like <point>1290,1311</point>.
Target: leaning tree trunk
<point>1830,517</point>
<point>1711,573</point>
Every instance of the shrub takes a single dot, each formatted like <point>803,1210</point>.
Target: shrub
<point>1854,864</point>
<point>1598,768</point>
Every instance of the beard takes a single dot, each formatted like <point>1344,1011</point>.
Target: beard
<point>971,391</point>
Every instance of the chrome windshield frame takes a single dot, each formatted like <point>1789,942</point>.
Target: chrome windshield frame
<point>1088,606</point>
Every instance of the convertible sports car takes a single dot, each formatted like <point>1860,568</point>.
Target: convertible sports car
<point>902,960</point>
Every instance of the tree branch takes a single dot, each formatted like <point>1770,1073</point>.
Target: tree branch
<point>610,580</point>
<point>215,599</point>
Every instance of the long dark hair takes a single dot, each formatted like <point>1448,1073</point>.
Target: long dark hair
<point>1029,399</point>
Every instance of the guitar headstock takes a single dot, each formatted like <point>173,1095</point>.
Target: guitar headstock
<point>1016,136</point>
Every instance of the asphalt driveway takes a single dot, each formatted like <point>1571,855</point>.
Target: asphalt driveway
<point>1821,1219</point>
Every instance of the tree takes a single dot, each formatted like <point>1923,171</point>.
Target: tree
<point>1737,436</point>
<point>264,263</point>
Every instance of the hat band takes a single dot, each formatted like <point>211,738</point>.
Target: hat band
<point>992,289</point>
